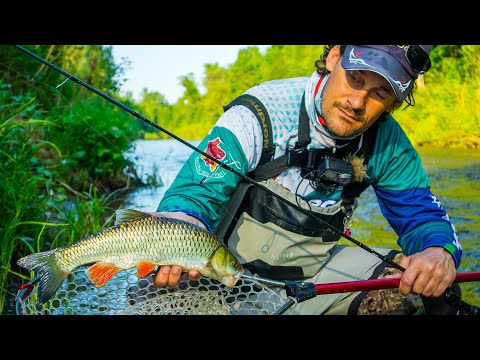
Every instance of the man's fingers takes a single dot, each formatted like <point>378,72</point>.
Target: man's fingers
<point>161,278</point>
<point>408,279</point>
<point>175,275</point>
<point>171,275</point>
<point>424,284</point>
<point>194,275</point>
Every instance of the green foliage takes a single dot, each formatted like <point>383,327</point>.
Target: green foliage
<point>20,185</point>
<point>194,114</point>
<point>447,111</point>
<point>93,135</point>
<point>85,214</point>
<point>155,107</point>
<point>61,149</point>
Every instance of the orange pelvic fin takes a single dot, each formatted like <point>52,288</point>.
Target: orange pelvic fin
<point>144,268</point>
<point>100,273</point>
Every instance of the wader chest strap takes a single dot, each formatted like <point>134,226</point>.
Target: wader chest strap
<point>233,209</point>
<point>293,157</point>
<point>261,113</point>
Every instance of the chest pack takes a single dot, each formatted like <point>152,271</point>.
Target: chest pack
<point>300,155</point>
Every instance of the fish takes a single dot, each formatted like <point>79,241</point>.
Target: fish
<point>140,240</point>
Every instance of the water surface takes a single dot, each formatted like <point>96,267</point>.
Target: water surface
<point>454,176</point>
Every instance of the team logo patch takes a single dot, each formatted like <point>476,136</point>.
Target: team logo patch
<point>208,167</point>
<point>214,150</point>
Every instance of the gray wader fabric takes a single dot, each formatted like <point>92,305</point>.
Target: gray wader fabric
<point>321,262</point>
<point>252,240</point>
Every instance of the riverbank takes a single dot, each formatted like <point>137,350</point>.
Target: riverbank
<point>454,173</point>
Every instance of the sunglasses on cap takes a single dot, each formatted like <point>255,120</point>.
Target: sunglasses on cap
<point>418,58</point>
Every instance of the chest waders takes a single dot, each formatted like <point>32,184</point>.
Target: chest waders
<point>276,241</point>
<point>266,235</point>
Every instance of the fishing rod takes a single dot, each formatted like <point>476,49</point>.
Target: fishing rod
<point>222,165</point>
<point>299,291</point>
<point>225,166</point>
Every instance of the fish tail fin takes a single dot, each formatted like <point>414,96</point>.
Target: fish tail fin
<point>51,276</point>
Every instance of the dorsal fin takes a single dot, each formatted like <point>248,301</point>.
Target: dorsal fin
<point>124,215</point>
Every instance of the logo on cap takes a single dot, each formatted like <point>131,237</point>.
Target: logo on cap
<point>355,58</point>
<point>402,86</point>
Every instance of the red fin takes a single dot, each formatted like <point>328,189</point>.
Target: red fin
<point>100,273</point>
<point>144,268</point>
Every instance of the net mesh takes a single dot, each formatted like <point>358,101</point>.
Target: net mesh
<point>126,294</point>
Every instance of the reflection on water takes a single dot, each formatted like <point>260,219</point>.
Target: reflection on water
<point>454,176</point>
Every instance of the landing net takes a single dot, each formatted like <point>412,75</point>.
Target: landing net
<point>126,294</point>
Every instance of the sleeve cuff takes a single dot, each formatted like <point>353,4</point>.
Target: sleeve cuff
<point>198,217</point>
<point>456,254</point>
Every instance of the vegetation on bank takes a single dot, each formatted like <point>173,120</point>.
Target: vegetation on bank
<point>62,146</point>
<point>446,113</point>
<point>61,151</point>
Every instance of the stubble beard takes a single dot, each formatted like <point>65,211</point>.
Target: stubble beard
<point>341,126</point>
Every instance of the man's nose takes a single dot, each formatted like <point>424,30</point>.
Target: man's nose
<point>358,98</point>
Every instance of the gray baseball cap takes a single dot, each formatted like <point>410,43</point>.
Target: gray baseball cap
<point>399,64</point>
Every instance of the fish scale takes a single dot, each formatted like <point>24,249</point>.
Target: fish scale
<point>141,240</point>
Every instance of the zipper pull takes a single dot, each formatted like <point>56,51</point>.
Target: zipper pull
<point>346,225</point>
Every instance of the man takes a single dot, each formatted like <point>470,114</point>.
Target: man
<point>347,141</point>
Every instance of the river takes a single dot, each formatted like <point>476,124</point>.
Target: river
<point>454,176</point>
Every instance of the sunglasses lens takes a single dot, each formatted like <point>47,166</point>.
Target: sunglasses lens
<point>418,58</point>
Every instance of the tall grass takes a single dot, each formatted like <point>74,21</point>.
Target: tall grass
<point>19,187</point>
<point>30,221</point>
<point>85,214</point>
<point>61,152</point>
<point>39,212</point>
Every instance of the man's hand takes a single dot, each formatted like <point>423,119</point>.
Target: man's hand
<point>170,275</point>
<point>428,273</point>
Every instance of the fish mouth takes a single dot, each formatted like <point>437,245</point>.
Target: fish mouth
<point>237,276</point>
<point>231,280</point>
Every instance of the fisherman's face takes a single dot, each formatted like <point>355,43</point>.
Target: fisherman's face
<point>354,99</point>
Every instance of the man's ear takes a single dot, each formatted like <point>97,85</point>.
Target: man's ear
<point>332,58</point>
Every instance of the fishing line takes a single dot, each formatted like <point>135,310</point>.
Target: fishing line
<point>297,196</point>
<point>25,76</point>
<point>62,83</point>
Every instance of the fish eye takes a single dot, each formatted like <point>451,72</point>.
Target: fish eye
<point>234,263</point>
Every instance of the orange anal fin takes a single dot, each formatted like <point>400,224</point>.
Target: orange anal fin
<point>144,268</point>
<point>101,273</point>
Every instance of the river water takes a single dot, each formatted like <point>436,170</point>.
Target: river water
<point>454,175</point>
<point>156,158</point>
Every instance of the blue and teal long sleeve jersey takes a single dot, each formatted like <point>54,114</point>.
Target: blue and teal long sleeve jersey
<point>394,169</point>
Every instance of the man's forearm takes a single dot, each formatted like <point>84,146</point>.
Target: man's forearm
<point>180,216</point>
